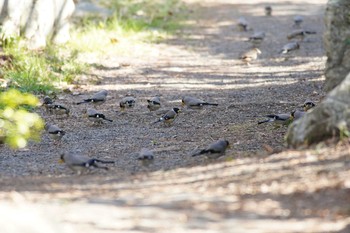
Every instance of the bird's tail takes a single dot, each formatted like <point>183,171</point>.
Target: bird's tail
<point>200,152</point>
<point>310,32</point>
<point>107,119</point>
<point>83,102</point>
<point>213,104</point>
<point>103,161</point>
<point>264,121</point>
<point>159,120</point>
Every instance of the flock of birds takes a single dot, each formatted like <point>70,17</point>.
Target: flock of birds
<point>298,35</point>
<point>80,163</point>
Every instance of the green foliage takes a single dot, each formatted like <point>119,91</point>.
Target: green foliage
<point>17,125</point>
<point>38,71</point>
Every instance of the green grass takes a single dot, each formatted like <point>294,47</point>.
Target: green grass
<point>132,21</point>
<point>133,24</point>
<point>38,72</point>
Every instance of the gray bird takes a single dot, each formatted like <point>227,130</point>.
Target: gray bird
<point>299,34</point>
<point>298,20</point>
<point>192,102</point>
<point>243,24</point>
<point>289,47</point>
<point>308,104</point>
<point>54,131</point>
<point>55,108</point>
<point>278,119</point>
<point>268,10</point>
<point>214,150</point>
<point>97,98</point>
<point>96,117</point>
<point>79,163</point>
<point>154,103</point>
<point>146,157</point>
<point>169,116</point>
<point>250,55</point>
<point>127,102</point>
<point>257,37</point>
<point>297,114</point>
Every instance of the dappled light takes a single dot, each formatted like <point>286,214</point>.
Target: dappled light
<point>98,112</point>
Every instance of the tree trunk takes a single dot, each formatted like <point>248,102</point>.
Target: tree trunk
<point>332,117</point>
<point>337,42</point>
<point>36,20</point>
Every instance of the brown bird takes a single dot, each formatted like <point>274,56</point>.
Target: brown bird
<point>250,55</point>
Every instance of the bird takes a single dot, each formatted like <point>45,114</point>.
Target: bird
<point>57,109</point>
<point>298,20</point>
<point>146,157</point>
<point>192,102</point>
<point>127,102</point>
<point>79,163</point>
<point>96,117</point>
<point>242,24</point>
<point>297,114</point>
<point>268,10</point>
<point>257,37</point>
<point>308,104</point>
<point>214,150</point>
<point>299,34</point>
<point>250,55</point>
<point>47,100</point>
<point>54,131</point>
<point>169,116</point>
<point>289,47</point>
<point>154,103</point>
<point>97,98</point>
<point>278,119</point>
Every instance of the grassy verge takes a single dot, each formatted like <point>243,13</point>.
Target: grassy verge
<point>130,22</point>
<point>37,72</point>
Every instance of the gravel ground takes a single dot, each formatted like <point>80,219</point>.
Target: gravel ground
<point>248,190</point>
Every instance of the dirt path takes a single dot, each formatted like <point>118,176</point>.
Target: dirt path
<point>248,190</point>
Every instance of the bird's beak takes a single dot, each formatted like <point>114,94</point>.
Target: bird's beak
<point>182,103</point>
<point>60,161</point>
